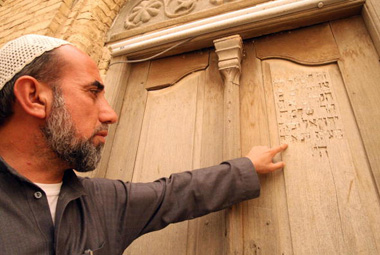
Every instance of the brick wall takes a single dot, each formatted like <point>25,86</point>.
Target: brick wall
<point>82,22</point>
<point>18,17</point>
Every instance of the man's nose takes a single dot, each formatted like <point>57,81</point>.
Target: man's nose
<point>107,114</point>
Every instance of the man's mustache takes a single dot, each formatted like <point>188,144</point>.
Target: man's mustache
<point>102,127</point>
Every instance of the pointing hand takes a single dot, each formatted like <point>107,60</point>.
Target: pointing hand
<point>262,158</point>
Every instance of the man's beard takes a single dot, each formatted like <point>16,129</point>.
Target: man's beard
<point>61,135</point>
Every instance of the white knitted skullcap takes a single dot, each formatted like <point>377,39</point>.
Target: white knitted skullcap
<point>18,53</point>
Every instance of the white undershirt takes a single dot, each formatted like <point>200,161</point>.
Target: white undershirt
<point>52,193</point>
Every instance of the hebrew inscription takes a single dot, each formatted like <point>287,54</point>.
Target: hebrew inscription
<point>306,110</point>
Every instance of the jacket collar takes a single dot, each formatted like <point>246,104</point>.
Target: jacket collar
<point>71,182</point>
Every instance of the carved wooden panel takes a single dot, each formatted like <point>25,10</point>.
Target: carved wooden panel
<point>166,145</point>
<point>310,46</point>
<point>170,130</point>
<point>166,72</point>
<point>324,201</point>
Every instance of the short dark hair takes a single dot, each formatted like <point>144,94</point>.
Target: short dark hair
<point>45,68</point>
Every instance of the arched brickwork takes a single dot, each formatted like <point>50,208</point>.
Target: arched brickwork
<point>82,22</point>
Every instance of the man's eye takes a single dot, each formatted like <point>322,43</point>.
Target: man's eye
<point>95,91</point>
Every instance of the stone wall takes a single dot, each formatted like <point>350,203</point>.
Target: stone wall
<point>82,22</point>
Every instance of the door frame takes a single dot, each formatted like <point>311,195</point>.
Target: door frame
<point>257,20</point>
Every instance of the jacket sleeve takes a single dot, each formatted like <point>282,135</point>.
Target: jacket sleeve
<point>139,208</point>
<point>191,194</point>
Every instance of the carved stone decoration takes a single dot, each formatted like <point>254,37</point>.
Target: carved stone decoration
<point>229,51</point>
<point>219,2</point>
<point>178,8</point>
<point>145,10</point>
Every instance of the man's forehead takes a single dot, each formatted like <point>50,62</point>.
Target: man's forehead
<point>78,65</point>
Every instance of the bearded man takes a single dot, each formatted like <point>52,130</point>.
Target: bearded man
<point>54,118</point>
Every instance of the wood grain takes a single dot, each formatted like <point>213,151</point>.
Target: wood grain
<point>207,234</point>
<point>122,159</point>
<point>229,51</point>
<point>322,191</point>
<point>360,68</point>
<point>266,223</point>
<point>366,185</point>
<point>167,146</point>
<point>309,46</point>
<point>166,72</point>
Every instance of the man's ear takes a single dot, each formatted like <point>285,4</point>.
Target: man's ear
<point>32,95</point>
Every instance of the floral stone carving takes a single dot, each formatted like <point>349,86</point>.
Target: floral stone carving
<point>145,10</point>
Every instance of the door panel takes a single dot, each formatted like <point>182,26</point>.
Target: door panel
<point>320,179</point>
<point>178,128</point>
<point>167,145</point>
<point>167,136</point>
<point>175,69</point>
<point>309,46</point>
<point>360,67</point>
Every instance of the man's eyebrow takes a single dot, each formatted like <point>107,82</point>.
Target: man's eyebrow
<point>97,84</point>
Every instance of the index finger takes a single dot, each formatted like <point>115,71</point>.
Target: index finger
<point>280,148</point>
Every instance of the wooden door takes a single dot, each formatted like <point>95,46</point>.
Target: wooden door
<point>314,88</point>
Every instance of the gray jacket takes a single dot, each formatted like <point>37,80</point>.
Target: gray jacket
<point>105,216</point>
